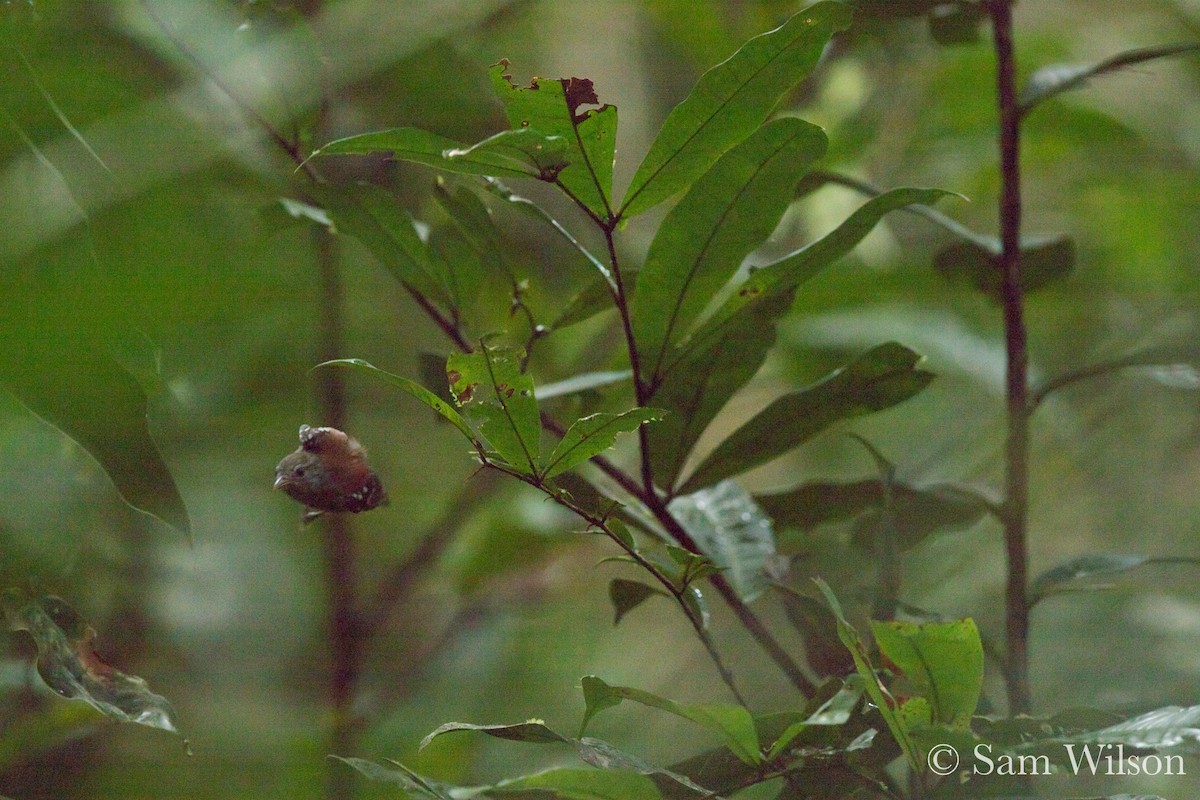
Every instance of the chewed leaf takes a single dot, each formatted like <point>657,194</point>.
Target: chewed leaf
<point>592,435</point>
<point>411,387</point>
<point>943,660</point>
<point>555,107</point>
<point>729,101</point>
<point>68,663</point>
<point>729,527</point>
<point>491,389</point>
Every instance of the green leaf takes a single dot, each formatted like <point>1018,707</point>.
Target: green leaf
<point>880,378</point>
<point>585,784</point>
<point>375,218</point>
<point>68,663</point>
<point>762,291</point>
<point>411,387</point>
<point>628,595</point>
<point>918,511</point>
<point>594,298</point>
<point>494,392</point>
<point>727,213</point>
<point>729,101</point>
<point>602,755</point>
<point>592,435</point>
<point>732,531</point>
<point>1049,81</point>
<point>1044,259</point>
<point>553,107</point>
<point>733,723</point>
<point>526,148</point>
<point>423,147</point>
<point>834,711</point>
<point>695,390</point>
<point>879,694</point>
<point>584,382</point>
<point>1155,356</point>
<point>1068,576</point>
<point>943,660</point>
<point>531,731</point>
<point>88,395</point>
<point>414,785</point>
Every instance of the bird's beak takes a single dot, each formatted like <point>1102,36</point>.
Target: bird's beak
<point>280,480</point>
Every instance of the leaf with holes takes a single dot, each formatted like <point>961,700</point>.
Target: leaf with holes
<point>493,392</point>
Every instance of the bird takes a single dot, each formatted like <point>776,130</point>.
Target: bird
<point>328,472</point>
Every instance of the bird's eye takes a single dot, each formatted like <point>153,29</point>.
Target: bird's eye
<point>298,472</point>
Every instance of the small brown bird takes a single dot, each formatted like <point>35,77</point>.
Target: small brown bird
<point>329,472</point>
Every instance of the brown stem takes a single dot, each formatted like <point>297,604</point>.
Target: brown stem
<point>1016,504</point>
<point>342,620</point>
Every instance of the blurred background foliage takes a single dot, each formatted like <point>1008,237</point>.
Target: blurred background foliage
<point>141,216</point>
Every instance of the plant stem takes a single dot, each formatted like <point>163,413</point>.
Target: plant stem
<point>342,620</point>
<point>1016,503</point>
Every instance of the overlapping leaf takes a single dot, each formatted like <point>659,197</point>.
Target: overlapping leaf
<point>880,378</point>
<point>727,213</point>
<point>729,101</point>
<point>423,147</point>
<point>592,435</point>
<point>493,392</point>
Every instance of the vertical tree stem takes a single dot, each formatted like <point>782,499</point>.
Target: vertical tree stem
<point>1016,504</point>
<point>342,621</point>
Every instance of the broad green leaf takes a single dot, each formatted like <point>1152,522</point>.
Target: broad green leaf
<point>68,663</point>
<point>943,660</point>
<point>525,148</point>
<point>1051,80</point>
<point>729,101</point>
<point>1044,259</point>
<point>414,785</point>
<point>879,694</point>
<point>697,389</point>
<point>375,218</point>
<point>411,387</point>
<point>423,147</point>
<point>733,723</point>
<point>880,378</point>
<point>585,382</point>
<point>531,731</point>
<point>727,213</point>
<point>592,435</point>
<point>628,595</point>
<point>768,283</point>
<point>492,390</point>
<point>729,527</point>
<point>554,107</point>
<point>917,511</point>
<point>87,394</point>
<point>584,784</point>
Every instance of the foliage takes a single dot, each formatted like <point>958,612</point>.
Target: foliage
<point>639,415</point>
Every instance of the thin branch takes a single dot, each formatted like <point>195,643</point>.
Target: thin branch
<point>1016,503</point>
